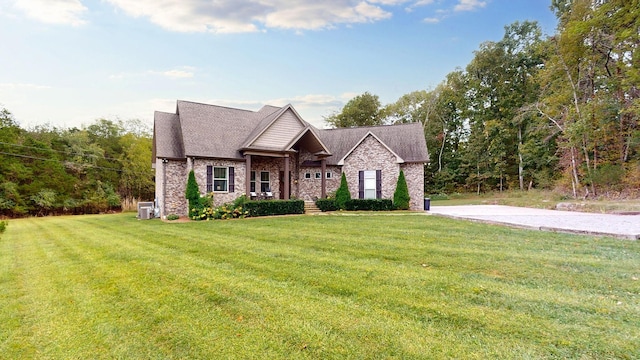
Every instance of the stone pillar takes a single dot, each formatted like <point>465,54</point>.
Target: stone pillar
<point>286,177</point>
<point>247,177</point>
<point>323,182</point>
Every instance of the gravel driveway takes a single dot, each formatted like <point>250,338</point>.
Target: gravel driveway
<point>620,226</point>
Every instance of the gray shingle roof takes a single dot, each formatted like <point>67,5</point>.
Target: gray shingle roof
<point>406,140</point>
<point>167,137</point>
<point>203,130</point>
<point>216,131</point>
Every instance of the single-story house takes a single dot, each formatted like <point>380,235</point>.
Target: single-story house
<point>274,153</point>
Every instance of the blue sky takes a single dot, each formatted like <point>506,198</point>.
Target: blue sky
<point>69,62</point>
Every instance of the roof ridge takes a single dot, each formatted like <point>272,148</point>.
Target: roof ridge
<point>372,126</point>
<point>216,106</point>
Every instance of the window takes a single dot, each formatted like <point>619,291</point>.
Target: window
<point>318,175</point>
<point>370,184</point>
<point>264,181</point>
<point>307,175</point>
<point>220,179</point>
<point>252,185</point>
<point>329,174</point>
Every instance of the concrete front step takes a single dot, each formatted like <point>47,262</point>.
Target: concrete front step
<point>310,207</point>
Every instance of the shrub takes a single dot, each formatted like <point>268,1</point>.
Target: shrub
<point>401,195</point>
<point>274,207</point>
<point>173,217</point>
<point>192,193</point>
<point>327,204</point>
<point>3,226</point>
<point>342,194</point>
<point>369,205</point>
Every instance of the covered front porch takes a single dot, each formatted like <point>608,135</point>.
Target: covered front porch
<point>276,173</point>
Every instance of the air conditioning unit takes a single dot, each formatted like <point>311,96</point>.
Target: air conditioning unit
<point>145,213</point>
<point>145,210</point>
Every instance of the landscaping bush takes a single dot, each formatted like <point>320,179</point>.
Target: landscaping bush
<point>3,226</point>
<point>369,205</point>
<point>192,193</point>
<point>342,194</point>
<point>274,207</point>
<point>173,217</point>
<point>401,195</point>
<point>327,204</point>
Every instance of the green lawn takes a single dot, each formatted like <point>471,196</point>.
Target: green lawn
<point>317,287</point>
<point>538,199</point>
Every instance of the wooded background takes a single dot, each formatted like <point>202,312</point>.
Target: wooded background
<point>529,111</point>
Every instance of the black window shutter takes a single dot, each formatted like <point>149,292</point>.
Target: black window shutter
<point>232,185</point>
<point>361,184</point>
<point>378,184</point>
<point>209,178</point>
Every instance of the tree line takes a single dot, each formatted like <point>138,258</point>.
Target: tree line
<point>46,170</point>
<point>529,111</point>
<point>533,111</point>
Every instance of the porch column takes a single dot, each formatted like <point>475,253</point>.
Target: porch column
<point>286,177</point>
<point>247,176</point>
<point>323,182</point>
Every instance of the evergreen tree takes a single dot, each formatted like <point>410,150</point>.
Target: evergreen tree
<point>342,194</point>
<point>193,192</point>
<point>401,195</point>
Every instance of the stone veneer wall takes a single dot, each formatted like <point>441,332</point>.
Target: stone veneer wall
<point>414,174</point>
<point>219,198</point>
<point>311,189</point>
<point>274,166</point>
<point>171,180</point>
<point>372,155</point>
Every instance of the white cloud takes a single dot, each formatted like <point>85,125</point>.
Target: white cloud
<point>177,74</point>
<point>238,16</point>
<point>431,20</point>
<point>469,5</point>
<point>65,12</point>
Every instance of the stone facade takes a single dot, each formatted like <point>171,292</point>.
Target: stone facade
<point>372,155</point>
<point>171,183</point>
<point>219,198</point>
<point>414,174</point>
<point>310,188</point>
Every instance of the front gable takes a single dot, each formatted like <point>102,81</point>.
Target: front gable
<point>280,132</point>
<point>398,159</point>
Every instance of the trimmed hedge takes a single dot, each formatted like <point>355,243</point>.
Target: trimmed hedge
<point>274,207</point>
<point>327,204</point>
<point>369,205</point>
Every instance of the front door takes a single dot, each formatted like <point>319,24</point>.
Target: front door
<point>282,184</point>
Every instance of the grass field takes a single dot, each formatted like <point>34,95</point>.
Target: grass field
<point>318,287</point>
<point>539,199</point>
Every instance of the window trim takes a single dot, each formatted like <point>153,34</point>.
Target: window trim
<point>225,179</point>
<point>263,182</point>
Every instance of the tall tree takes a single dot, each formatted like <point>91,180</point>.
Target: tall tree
<point>591,89</point>
<point>362,110</point>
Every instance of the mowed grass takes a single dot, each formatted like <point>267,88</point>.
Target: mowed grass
<point>318,287</point>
